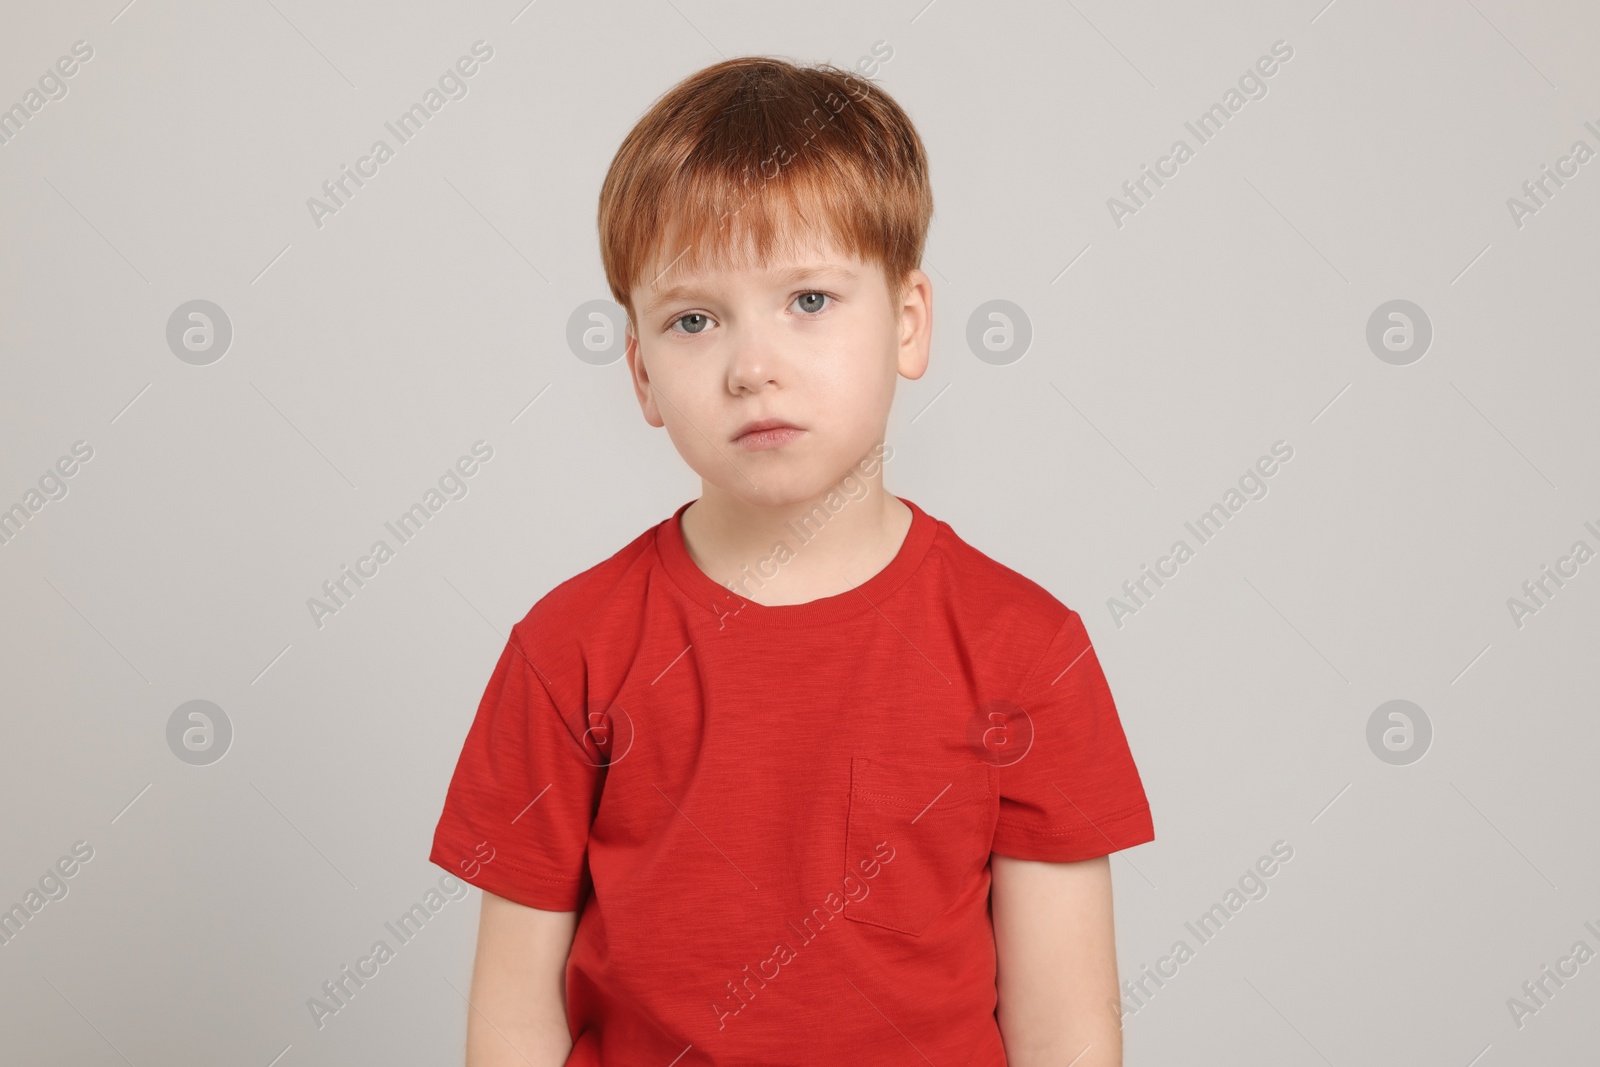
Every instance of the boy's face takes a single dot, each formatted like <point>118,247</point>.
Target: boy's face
<point>812,339</point>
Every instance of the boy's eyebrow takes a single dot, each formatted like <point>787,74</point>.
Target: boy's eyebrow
<point>796,274</point>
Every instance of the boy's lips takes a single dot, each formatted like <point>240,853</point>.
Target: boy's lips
<point>766,433</point>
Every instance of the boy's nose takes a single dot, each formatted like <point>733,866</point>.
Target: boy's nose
<point>754,361</point>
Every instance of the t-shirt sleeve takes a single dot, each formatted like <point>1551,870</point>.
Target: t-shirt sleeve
<point>1075,793</point>
<point>518,809</point>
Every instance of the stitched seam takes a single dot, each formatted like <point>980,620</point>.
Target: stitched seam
<point>944,801</point>
<point>521,868</point>
<point>1021,689</point>
<point>1094,828</point>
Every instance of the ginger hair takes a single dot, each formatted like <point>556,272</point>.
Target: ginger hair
<point>754,155</point>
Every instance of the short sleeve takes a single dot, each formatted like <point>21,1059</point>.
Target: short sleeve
<point>518,809</point>
<point>1075,793</point>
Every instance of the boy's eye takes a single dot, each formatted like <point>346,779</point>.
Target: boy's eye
<point>693,322</point>
<point>812,302</point>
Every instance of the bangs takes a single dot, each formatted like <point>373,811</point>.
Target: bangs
<point>720,228</point>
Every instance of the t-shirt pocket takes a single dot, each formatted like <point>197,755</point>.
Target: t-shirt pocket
<point>918,834</point>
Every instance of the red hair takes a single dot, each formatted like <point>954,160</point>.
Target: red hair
<point>756,154</point>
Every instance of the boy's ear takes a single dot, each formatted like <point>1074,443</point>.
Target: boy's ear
<point>914,315</point>
<point>640,377</point>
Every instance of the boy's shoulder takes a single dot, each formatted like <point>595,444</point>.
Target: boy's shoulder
<point>980,587</point>
<point>609,589</point>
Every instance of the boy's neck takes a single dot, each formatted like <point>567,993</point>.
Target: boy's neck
<point>827,552</point>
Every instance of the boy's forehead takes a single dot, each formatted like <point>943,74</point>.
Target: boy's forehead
<point>815,258</point>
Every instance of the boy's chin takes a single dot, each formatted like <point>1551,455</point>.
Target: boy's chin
<point>779,488</point>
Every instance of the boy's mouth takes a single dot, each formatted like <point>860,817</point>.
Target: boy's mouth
<point>766,433</point>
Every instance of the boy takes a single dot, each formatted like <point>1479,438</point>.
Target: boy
<point>797,776</point>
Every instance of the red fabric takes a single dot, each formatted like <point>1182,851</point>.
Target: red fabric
<point>776,821</point>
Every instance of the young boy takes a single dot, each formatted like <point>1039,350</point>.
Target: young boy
<point>797,776</point>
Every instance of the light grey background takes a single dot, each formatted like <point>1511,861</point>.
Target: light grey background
<point>1168,354</point>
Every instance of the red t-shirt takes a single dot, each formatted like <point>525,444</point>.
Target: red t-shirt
<point>776,822</point>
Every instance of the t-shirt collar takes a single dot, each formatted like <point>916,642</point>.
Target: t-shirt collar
<point>733,607</point>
